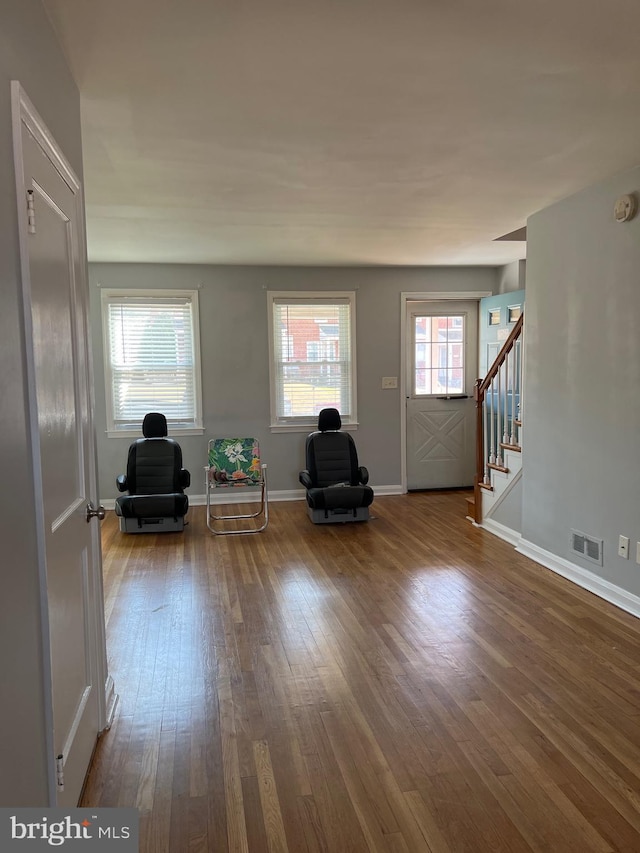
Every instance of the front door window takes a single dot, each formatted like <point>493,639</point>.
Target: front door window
<point>438,352</point>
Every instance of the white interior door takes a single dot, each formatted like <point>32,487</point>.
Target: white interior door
<point>56,317</point>
<point>441,369</point>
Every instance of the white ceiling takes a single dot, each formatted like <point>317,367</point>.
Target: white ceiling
<point>340,132</point>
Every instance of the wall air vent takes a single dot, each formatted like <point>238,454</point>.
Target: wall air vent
<point>587,547</point>
<point>577,542</point>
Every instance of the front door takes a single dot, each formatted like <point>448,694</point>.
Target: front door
<point>442,358</point>
<point>56,318</point>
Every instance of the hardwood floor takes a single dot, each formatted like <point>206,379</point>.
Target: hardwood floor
<point>410,684</point>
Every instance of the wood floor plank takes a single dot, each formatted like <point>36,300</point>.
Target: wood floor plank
<point>256,833</point>
<point>410,684</point>
<point>274,827</point>
<point>156,838</point>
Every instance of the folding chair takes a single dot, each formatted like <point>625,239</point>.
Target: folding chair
<point>235,467</point>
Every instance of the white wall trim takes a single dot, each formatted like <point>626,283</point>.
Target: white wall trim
<point>582,577</point>
<point>428,295</point>
<point>502,531</point>
<point>241,497</point>
<point>381,491</point>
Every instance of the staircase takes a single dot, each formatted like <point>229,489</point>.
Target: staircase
<point>498,430</point>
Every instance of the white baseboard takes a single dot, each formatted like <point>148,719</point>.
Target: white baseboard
<point>582,577</point>
<point>250,496</point>
<point>381,491</point>
<point>502,531</point>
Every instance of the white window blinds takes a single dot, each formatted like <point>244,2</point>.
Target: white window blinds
<point>152,361</point>
<point>313,357</point>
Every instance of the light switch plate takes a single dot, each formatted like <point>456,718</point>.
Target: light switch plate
<point>389,382</point>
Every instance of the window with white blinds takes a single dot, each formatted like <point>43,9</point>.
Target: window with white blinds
<point>152,358</point>
<point>312,341</point>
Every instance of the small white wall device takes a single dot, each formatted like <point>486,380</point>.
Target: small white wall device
<point>625,208</point>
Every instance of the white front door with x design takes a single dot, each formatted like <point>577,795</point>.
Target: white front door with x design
<point>442,357</point>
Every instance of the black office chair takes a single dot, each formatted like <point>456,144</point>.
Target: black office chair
<point>336,485</point>
<point>155,481</point>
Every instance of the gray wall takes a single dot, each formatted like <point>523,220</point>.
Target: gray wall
<point>235,368</point>
<point>582,381</point>
<point>512,277</point>
<point>509,512</point>
<point>30,54</point>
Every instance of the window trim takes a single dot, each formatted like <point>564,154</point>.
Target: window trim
<point>511,317</point>
<point>438,395</point>
<point>305,423</point>
<point>113,293</point>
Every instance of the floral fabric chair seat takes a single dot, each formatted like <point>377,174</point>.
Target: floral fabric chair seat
<point>235,463</point>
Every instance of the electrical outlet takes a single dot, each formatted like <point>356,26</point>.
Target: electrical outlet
<point>623,547</point>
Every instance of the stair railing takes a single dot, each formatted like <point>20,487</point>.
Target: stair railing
<point>498,416</point>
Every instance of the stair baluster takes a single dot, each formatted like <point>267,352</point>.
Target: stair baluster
<point>499,424</point>
<point>505,401</point>
<point>492,398</point>
<point>513,438</point>
<point>486,479</point>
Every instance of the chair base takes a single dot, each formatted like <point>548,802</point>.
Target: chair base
<point>151,525</point>
<point>338,516</point>
<point>212,520</point>
<point>261,514</point>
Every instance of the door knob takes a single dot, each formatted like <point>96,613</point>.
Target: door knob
<point>92,512</point>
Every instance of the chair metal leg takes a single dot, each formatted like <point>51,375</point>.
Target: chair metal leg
<point>263,510</point>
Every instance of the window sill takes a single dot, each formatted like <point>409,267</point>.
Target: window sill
<point>311,426</point>
<point>137,433</point>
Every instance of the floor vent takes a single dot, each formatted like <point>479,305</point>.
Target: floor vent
<point>588,547</point>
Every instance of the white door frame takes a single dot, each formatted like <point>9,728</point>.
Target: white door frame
<point>420,296</point>
<point>24,113</point>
